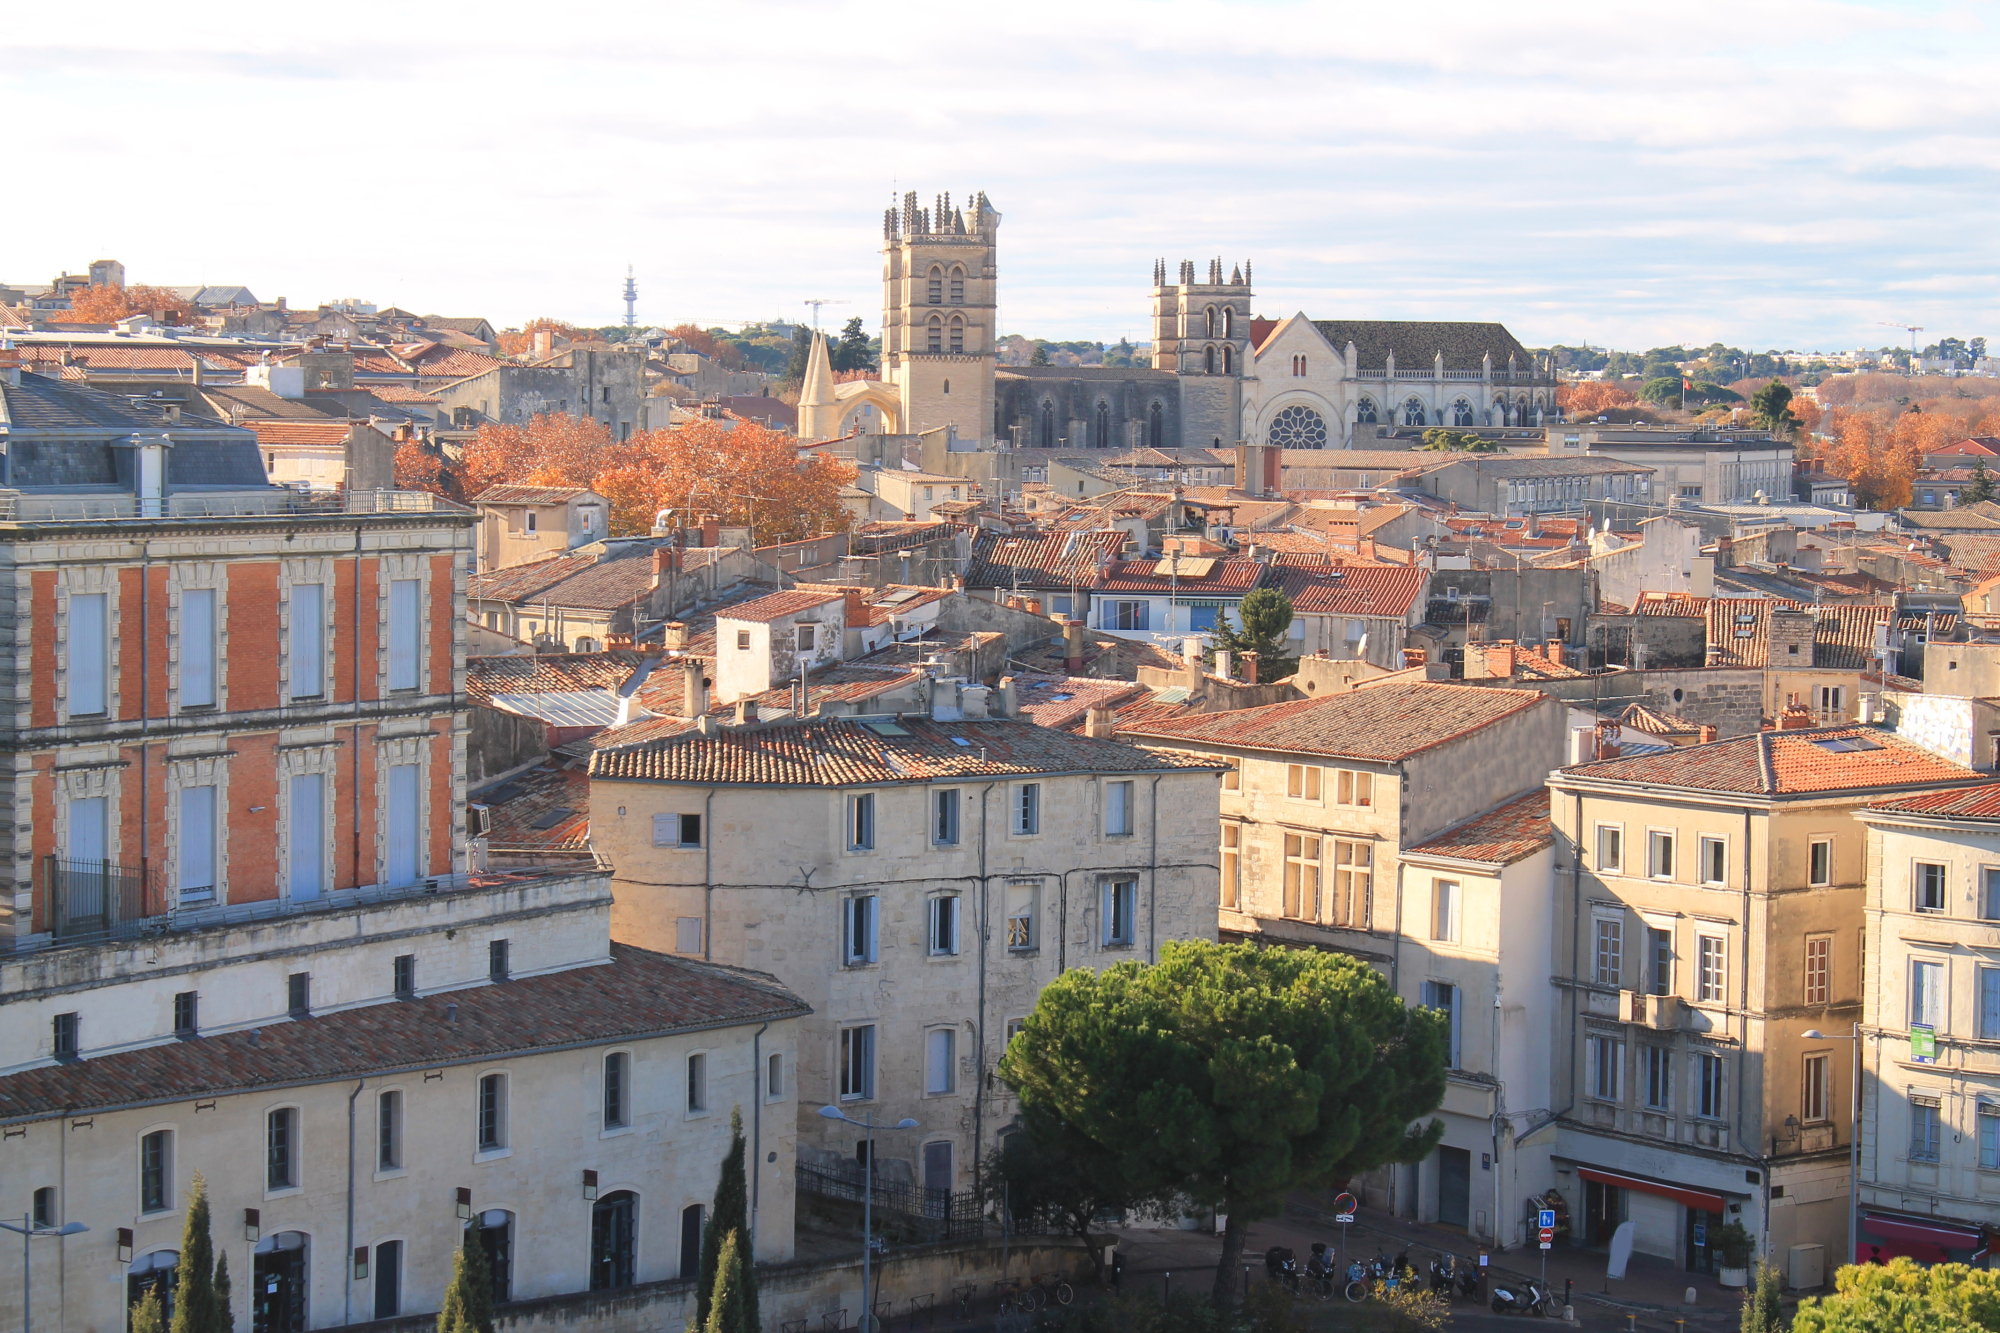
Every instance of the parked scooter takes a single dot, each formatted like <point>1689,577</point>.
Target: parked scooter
<point>1471,1280</point>
<point>1320,1271</point>
<point>1283,1266</point>
<point>1441,1274</point>
<point>1526,1297</point>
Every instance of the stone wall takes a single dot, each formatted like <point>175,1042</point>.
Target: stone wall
<point>1730,699</point>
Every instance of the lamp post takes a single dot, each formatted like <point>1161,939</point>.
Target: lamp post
<point>1853,1144</point>
<point>867,1198</point>
<point>29,1231</point>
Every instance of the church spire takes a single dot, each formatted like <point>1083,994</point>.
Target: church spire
<point>818,413</point>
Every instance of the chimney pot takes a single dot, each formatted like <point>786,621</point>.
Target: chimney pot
<point>1249,668</point>
<point>746,712</point>
<point>1706,736</point>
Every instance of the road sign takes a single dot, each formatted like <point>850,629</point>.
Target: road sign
<point>1548,1237</point>
<point>1346,1203</point>
<point>1343,1218</point>
<point>1548,1219</point>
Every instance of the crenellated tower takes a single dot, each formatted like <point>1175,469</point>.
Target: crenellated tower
<point>1201,333</point>
<point>940,298</point>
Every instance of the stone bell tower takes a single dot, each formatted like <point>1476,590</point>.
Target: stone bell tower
<point>1201,334</point>
<point>940,297</point>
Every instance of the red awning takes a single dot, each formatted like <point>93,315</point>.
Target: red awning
<point>1702,1199</point>
<point>1923,1233</point>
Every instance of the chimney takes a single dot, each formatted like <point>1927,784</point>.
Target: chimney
<point>1415,657</point>
<point>1073,647</point>
<point>663,562</point>
<point>1249,661</point>
<point>1098,724</point>
<point>676,635</point>
<point>10,366</point>
<point>694,689</point>
<point>857,606</point>
<point>1006,701</point>
<point>1607,740</point>
<point>1706,736</point>
<point>1556,650</point>
<point>711,530</point>
<point>1222,664</point>
<point>1797,717</point>
<point>746,712</point>
<point>545,343</point>
<point>1365,547</point>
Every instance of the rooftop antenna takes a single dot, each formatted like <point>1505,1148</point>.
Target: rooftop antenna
<point>631,302</point>
<point>816,303</point>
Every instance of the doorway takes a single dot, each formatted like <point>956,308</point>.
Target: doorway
<point>1454,1187</point>
<point>1604,1207</point>
<point>691,1220</point>
<point>496,1237</point>
<point>614,1222</point>
<point>1699,1241</point>
<point>937,1179</point>
<point>278,1284</point>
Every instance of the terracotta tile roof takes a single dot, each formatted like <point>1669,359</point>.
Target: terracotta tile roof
<point>551,673</point>
<point>1986,446</point>
<point>46,357</point>
<point>1981,802</point>
<point>1785,763</point>
<point>893,535</point>
<point>639,994</point>
<point>248,401</point>
<point>1219,578</point>
<point>1739,628</point>
<point>1534,664</point>
<point>1105,657</point>
<point>1382,722</point>
<point>529,580</point>
<point>840,752</point>
<point>301,432</point>
<point>400,393</point>
<point>1054,561</point>
<point>1057,701</point>
<point>1324,586</point>
<point>545,809</point>
<point>454,363</point>
<point>530,495</point>
<point>778,605</point>
<point>1501,836</point>
<point>1656,723</point>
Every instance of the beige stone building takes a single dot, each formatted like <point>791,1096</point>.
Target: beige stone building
<point>1930,1148</point>
<point>917,881</point>
<point>519,525</point>
<point>1709,905</point>
<point>1399,821</point>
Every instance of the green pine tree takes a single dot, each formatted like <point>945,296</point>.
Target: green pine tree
<point>1762,1313</point>
<point>730,1214</point>
<point>225,1312</point>
<point>195,1309</point>
<point>1263,617</point>
<point>148,1315</point>
<point>1980,487</point>
<point>732,1303</point>
<point>1040,356</point>
<point>468,1301</point>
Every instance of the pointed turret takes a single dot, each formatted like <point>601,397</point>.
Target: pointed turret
<point>1236,277</point>
<point>1247,282</point>
<point>819,414</point>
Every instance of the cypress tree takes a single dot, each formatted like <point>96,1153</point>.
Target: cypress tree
<point>731,1213</point>
<point>1762,1312</point>
<point>225,1313</point>
<point>195,1309</point>
<point>468,1301</point>
<point>731,1307</point>
<point>148,1315</point>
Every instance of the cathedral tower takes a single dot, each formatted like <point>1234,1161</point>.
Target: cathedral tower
<point>940,297</point>
<point>1201,333</point>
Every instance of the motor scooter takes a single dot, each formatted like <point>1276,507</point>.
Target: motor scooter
<point>1525,1297</point>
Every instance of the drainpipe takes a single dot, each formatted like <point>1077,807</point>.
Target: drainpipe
<point>1153,877</point>
<point>1499,1113</point>
<point>145,715</point>
<point>707,874</point>
<point>1743,994</point>
<point>1575,933</point>
<point>354,731</point>
<point>757,1092</point>
<point>979,1034</point>
<point>347,1273</point>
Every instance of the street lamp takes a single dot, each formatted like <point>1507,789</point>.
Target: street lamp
<point>29,1231</point>
<point>867,1197</point>
<point>1853,1144</point>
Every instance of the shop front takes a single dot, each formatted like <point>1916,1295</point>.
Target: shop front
<point>1886,1236</point>
<point>1668,1221</point>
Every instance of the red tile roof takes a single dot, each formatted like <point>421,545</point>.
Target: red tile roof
<point>1500,836</point>
<point>529,580</point>
<point>779,605</point>
<point>1382,722</point>
<point>301,432</point>
<point>1785,763</point>
<point>1981,802</point>
<point>1056,561</point>
<point>1323,586</point>
<point>638,995</point>
<point>1220,577</point>
<point>544,809</point>
<point>1058,701</point>
<point>529,495</point>
<point>551,673</point>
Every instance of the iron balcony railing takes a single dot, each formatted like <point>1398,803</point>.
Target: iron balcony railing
<point>97,900</point>
<point>17,507</point>
<point>936,1214</point>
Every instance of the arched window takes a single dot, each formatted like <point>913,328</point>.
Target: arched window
<point>1156,427</point>
<point>1208,360</point>
<point>936,343</point>
<point>957,336</point>
<point>1102,439</point>
<point>1461,413</point>
<point>936,292</point>
<point>1521,410</point>
<point>1228,359</point>
<point>278,1277</point>
<point>1209,318</point>
<point>496,1237</point>
<point>1048,426</point>
<point>614,1237</point>
<point>158,1271</point>
<point>1228,322</point>
<point>1413,412</point>
<point>1364,411</point>
<point>957,285</point>
<point>1298,365</point>
<point>1297,427</point>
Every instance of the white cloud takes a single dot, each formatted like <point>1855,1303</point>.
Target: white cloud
<point>1774,172</point>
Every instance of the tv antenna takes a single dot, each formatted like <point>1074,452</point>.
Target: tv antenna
<point>631,302</point>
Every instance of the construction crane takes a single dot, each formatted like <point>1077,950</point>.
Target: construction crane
<point>816,303</point>
<point>1914,330</point>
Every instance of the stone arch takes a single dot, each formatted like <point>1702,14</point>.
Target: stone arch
<point>1364,411</point>
<point>1156,426</point>
<point>1100,434</point>
<point>1208,360</point>
<point>1208,319</point>
<point>1228,359</point>
<point>934,338</point>
<point>1461,413</point>
<point>957,336</point>
<point>855,395</point>
<point>1048,431</point>
<point>1229,321</point>
<point>958,284</point>
<point>1297,426</point>
<point>934,286</point>
<point>1413,412</point>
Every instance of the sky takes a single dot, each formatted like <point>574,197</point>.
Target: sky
<point>1789,174</point>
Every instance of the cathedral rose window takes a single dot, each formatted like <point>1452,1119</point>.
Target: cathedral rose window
<point>1298,427</point>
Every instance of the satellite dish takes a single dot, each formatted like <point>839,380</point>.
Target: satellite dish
<point>1621,1252</point>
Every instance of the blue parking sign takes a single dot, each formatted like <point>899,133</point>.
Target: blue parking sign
<point>1548,1218</point>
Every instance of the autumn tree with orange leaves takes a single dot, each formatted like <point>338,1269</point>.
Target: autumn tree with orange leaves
<point>516,341</point>
<point>710,346</point>
<point>1587,398</point>
<point>742,473</point>
<point>108,305</point>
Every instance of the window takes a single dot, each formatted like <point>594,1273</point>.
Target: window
<point>743,640</point>
<point>298,994</point>
<point>934,288</point>
<point>687,934</point>
<point>1708,1102</point>
<point>1660,855</point>
<point>389,1279</point>
<point>305,837</point>
<point>861,822</point>
<point>187,1015</point>
<point>1989,1137</point>
<point>533,523</point>
<point>1925,1129</point>
<point>1989,892</point>
<point>1711,968</point>
<point>934,341</point>
<point>307,656</point>
<point>281,1146</point>
<point>1232,777</point>
<point>492,1112</point>
<point>1117,809</point>
<point>857,1062</point>
<point>1232,868</point>
<point>1929,886</point>
<point>774,1076</point>
<point>1021,915</point>
<point>957,338</point>
<point>939,1044</point>
<point>405,973</point>
<point>1121,903</point>
<point>1989,1004</point>
<point>1657,1068</point>
<point>1812,1093</point>
<point>1610,847</point>
<point>1660,959</point>
<point>958,286</point>
<point>1128,615</point>
<point>404,843</point>
<point>389,1131</point>
<point>858,929</point>
<point>677,830</point>
<point>496,960</point>
<point>156,1171</point>
<point>1302,869</point>
<point>1819,961</point>
<point>1302,781</point>
<point>944,817</point>
<point>1926,994</point>
<point>1444,910</point>
<point>1353,788</point>
<point>196,860</point>
<point>406,627</point>
<point>197,648</point>
<point>1607,1067</point>
<point>614,1232</point>
<point>1028,808</point>
<point>944,924</point>
<point>1610,951</point>
<point>1353,883</point>
<point>89,661</point>
<point>1714,861</point>
<point>65,1037</point>
<point>1819,862</point>
<point>697,1083</point>
<point>45,1206</point>
<point>1445,997</point>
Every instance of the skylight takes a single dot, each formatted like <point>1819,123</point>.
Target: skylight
<point>886,726</point>
<point>1847,744</point>
<point>960,740</point>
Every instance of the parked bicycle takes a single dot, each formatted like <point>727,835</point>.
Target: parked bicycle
<point>1054,1289</point>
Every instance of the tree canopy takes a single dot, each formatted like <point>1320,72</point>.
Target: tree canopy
<point>1264,616</point>
<point>468,1301</point>
<point>1772,405</point>
<point>107,304</point>
<point>1442,439</point>
<point>198,1306</point>
<point>1231,1074</point>
<point>1905,1297</point>
<point>854,350</point>
<point>1980,487</point>
<point>1051,1169</point>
